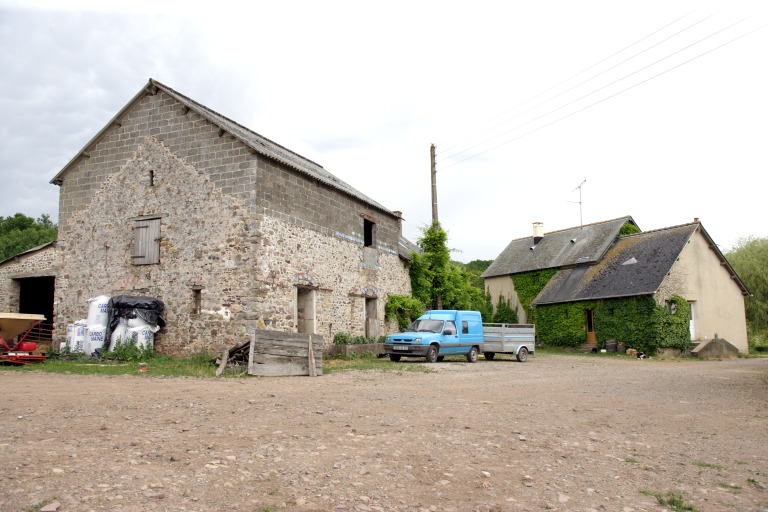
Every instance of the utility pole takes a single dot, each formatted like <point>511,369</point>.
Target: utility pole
<point>434,182</point>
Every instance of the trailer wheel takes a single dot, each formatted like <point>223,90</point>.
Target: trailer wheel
<point>394,357</point>
<point>431,356</point>
<point>522,354</point>
<point>489,355</point>
<point>472,355</point>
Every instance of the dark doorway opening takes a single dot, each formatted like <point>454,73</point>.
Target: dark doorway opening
<point>36,298</point>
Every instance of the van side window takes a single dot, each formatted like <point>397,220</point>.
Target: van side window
<point>450,326</point>
<point>464,327</point>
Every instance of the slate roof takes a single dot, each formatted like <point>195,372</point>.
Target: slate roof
<point>635,266</point>
<point>253,140</point>
<point>29,251</point>
<point>405,247</point>
<point>574,246</point>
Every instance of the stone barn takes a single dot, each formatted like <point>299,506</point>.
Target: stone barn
<point>232,231</point>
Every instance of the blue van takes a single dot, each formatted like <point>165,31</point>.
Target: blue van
<point>438,333</point>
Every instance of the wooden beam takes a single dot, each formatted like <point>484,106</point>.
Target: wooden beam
<point>223,363</point>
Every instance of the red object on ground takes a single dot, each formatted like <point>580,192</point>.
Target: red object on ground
<point>13,324</point>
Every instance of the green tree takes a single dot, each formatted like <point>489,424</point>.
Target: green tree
<point>20,233</point>
<point>429,270</point>
<point>749,259</point>
<point>439,283</point>
<point>476,269</point>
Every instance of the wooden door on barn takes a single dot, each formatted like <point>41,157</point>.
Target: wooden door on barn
<point>305,310</point>
<point>371,319</point>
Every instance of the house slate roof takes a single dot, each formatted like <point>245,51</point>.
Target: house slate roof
<point>253,140</point>
<point>635,266</point>
<point>568,247</point>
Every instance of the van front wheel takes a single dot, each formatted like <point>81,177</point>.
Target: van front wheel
<point>431,356</point>
<point>472,355</point>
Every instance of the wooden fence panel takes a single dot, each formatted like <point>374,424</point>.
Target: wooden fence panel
<point>275,353</point>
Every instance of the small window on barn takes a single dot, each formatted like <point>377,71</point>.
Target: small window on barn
<point>368,232</point>
<point>146,241</point>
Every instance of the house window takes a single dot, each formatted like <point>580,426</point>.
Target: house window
<point>146,241</point>
<point>671,307</point>
<point>368,232</point>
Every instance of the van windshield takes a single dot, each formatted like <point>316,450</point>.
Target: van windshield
<point>426,326</point>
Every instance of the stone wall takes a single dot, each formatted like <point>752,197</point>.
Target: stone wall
<point>31,264</point>
<point>238,233</point>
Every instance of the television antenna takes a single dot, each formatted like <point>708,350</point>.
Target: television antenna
<point>581,218</point>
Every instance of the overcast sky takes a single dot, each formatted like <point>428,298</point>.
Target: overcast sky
<point>661,106</point>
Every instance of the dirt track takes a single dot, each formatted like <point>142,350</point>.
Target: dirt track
<point>555,433</point>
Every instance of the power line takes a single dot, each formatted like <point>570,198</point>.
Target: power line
<point>612,95</point>
<point>580,83</point>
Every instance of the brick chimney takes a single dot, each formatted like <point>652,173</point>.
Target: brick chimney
<point>538,232</point>
<point>399,216</point>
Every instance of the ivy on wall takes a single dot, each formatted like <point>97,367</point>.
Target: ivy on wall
<point>504,313</point>
<point>637,322</point>
<point>528,285</point>
<point>563,325</point>
<point>628,229</point>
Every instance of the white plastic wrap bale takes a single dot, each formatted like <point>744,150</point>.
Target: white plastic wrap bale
<point>142,337</point>
<point>119,334</point>
<point>140,322</point>
<point>78,338</point>
<point>69,342</point>
<point>94,339</point>
<point>97,311</point>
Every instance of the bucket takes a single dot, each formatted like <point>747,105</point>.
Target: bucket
<point>97,311</point>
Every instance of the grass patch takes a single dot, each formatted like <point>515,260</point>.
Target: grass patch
<point>703,464</point>
<point>674,500</point>
<point>197,366</point>
<point>201,366</point>
<point>735,489</point>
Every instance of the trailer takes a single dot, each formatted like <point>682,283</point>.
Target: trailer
<point>22,351</point>
<point>516,339</point>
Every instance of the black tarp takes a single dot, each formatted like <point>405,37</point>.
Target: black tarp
<point>148,309</point>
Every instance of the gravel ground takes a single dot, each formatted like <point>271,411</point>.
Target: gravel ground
<point>559,432</point>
